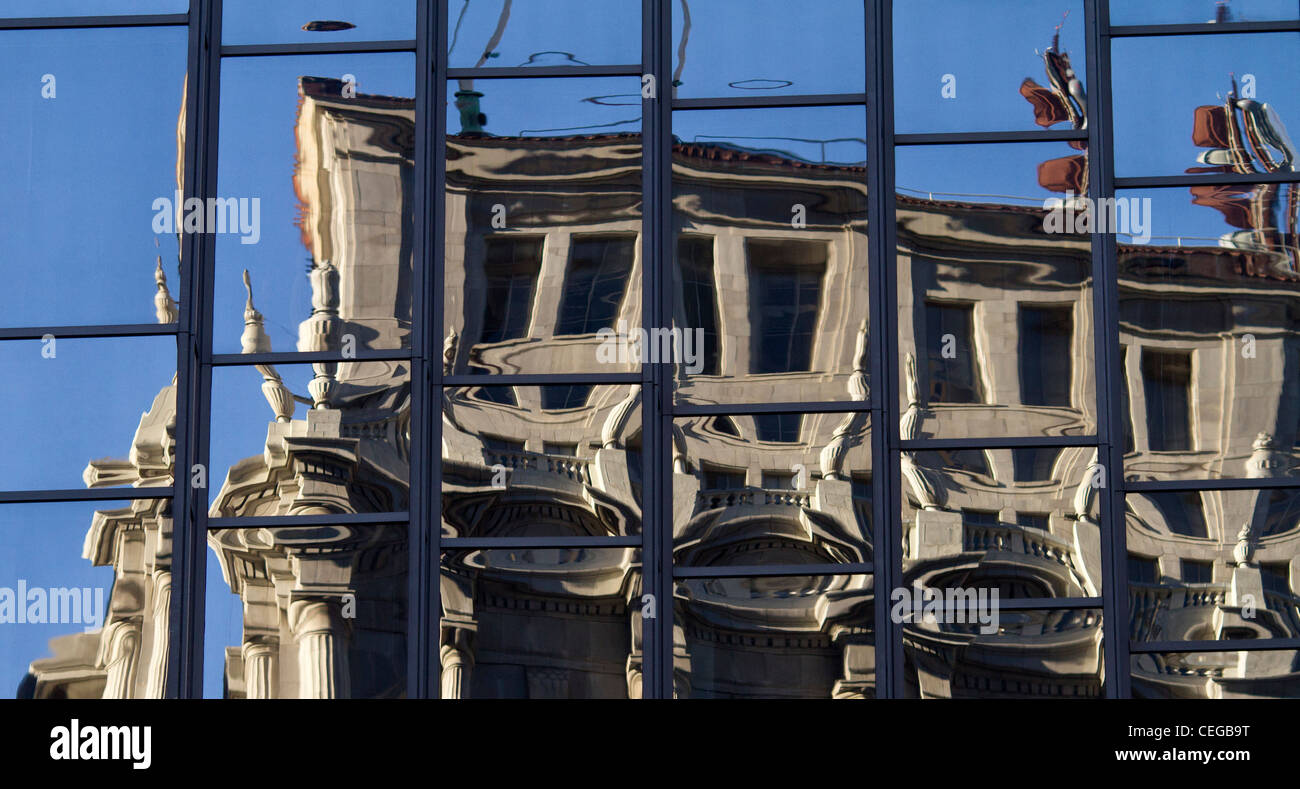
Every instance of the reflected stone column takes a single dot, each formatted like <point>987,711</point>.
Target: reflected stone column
<point>123,655</point>
<point>162,601</point>
<point>323,671</point>
<point>261,659</point>
<point>456,666</point>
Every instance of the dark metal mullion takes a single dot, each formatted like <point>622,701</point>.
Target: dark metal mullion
<point>111,20</point>
<point>423,631</point>
<point>308,357</point>
<point>317,48</point>
<point>1205,28</point>
<point>1247,645</point>
<point>543,379</point>
<point>774,570</point>
<point>657,492</point>
<point>1205,179</point>
<point>967,138</point>
<point>1110,412</point>
<point>436,132</point>
<point>308,521</point>
<point>523,543</point>
<point>1007,442</point>
<point>886,477</point>
<point>189,507</point>
<point>745,409</point>
<point>78,494</point>
<point>94,330</point>
<point>532,72</point>
<point>771,102</point>
<point>1176,485</point>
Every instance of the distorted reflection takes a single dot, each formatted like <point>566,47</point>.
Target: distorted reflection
<point>316,21</point>
<point>772,489</point>
<point>771,275</point>
<point>1033,654</point>
<point>1214,565</point>
<point>1241,674</point>
<point>1220,89</point>
<point>542,623</point>
<point>329,601</point>
<point>1023,522</point>
<point>954,63</point>
<point>764,47</point>
<point>507,34</point>
<point>775,637</point>
<point>330,248</point>
<point>1169,12</point>
<point>549,461</point>
<point>542,258</point>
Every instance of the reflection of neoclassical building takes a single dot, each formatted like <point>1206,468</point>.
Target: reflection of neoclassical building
<point>996,335</point>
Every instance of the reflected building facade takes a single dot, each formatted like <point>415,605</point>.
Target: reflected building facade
<point>993,473</point>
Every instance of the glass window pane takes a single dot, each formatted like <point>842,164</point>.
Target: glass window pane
<point>1170,12</point>
<point>768,48</point>
<point>770,282</point>
<point>1223,108</point>
<point>970,521</point>
<point>275,453</point>
<point>31,8</point>
<point>86,219</point>
<point>1208,304</point>
<point>541,461</point>
<point>1213,565</point>
<point>1260,674</point>
<point>960,67</point>
<point>543,254</point>
<point>798,637</point>
<point>340,634</point>
<point>780,489</point>
<point>1033,654</point>
<point>994,291</point>
<point>541,623</point>
<point>316,21</point>
<point>331,265</point>
<point>76,581</point>
<point>505,34</point>
<point>87,412</point>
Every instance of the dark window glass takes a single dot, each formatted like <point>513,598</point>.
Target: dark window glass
<point>1197,572</point>
<point>787,280</point>
<point>1182,511</point>
<point>1033,465</point>
<point>550,448</point>
<point>724,424</point>
<point>1032,520</point>
<point>778,480</point>
<point>1126,400</point>
<point>594,284</point>
<point>1046,361</point>
<point>979,517</point>
<point>510,269</point>
<point>1276,577</point>
<point>500,444</point>
<point>1143,570</point>
<point>723,479</point>
<point>1283,514</point>
<point>699,292</point>
<point>783,428</point>
<point>558,398</point>
<point>1166,381</point>
<point>950,354</point>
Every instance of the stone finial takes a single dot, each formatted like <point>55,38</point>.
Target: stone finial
<point>833,454</point>
<point>254,339</point>
<point>164,305</point>
<point>679,451</point>
<point>611,433</point>
<point>1265,459</point>
<point>1244,551</point>
<point>1086,492</point>
<point>320,332</point>
<point>449,347</point>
